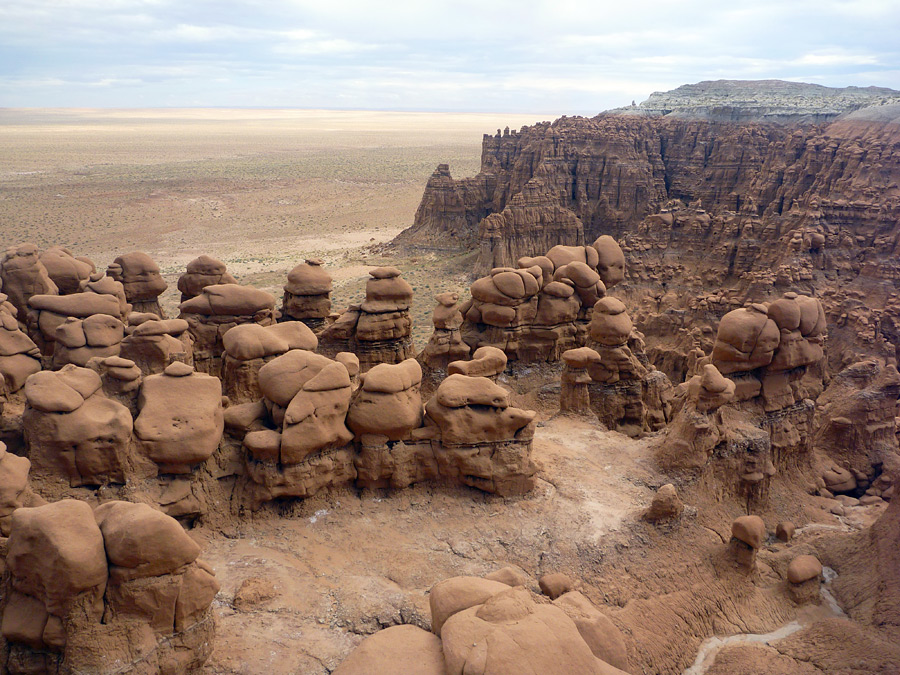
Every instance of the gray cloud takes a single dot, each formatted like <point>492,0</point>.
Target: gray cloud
<point>538,56</point>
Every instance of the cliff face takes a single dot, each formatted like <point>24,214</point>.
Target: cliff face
<point>739,211</point>
<point>614,170</point>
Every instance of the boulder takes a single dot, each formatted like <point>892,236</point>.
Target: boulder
<point>181,418</point>
<point>388,402</point>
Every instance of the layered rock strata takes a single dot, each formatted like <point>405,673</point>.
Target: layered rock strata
<point>379,330</point>
<point>312,430</point>
<point>307,294</point>
<point>541,309</point>
<point>140,277</point>
<point>201,272</point>
<point>446,343</point>
<point>122,584</point>
<point>774,208</point>
<point>218,309</point>
<point>610,378</point>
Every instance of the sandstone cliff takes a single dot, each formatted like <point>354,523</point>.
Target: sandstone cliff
<point>699,205</point>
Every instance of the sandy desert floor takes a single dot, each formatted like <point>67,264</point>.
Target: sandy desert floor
<point>259,189</point>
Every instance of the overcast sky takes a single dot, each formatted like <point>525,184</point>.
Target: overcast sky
<point>469,55</point>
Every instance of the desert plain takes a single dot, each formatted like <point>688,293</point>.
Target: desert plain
<point>259,189</point>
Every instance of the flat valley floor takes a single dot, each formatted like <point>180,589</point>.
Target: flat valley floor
<point>259,189</point>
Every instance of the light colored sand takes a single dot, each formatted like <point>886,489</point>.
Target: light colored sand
<point>260,189</point>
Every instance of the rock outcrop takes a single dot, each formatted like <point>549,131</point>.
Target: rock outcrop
<point>72,430</point>
<point>23,275</point>
<point>379,330</point>
<point>773,208</point>
<point>70,274</point>
<point>610,377</point>
<point>446,343</point>
<point>307,294</point>
<point>143,283</point>
<point>120,585</point>
<point>312,430</point>
<point>855,428</point>
<point>486,627</point>
<point>250,346</point>
<point>201,272</point>
<point>152,343</point>
<point>543,308</point>
<point>218,309</point>
<point>180,419</point>
<point>19,355</point>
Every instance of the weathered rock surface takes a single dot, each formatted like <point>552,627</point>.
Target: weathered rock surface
<point>140,277</point>
<point>120,585</point>
<point>180,420</point>
<point>379,330</point>
<point>774,207</point>
<point>201,272</point>
<point>72,430</point>
<point>218,309</point>
<point>307,294</point>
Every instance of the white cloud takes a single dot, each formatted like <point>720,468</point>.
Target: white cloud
<point>836,57</point>
<point>468,54</point>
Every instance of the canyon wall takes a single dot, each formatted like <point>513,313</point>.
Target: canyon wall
<point>699,206</point>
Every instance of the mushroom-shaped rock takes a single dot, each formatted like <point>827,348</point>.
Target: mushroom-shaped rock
<point>803,568</point>
<point>510,633</point>
<point>610,260</point>
<point>69,273</point>
<point>784,531</point>
<point>748,533</point>
<point>201,272</point>
<point>307,292</point>
<point>804,577</point>
<point>140,277</point>
<point>389,402</point>
<point>486,362</point>
<point>386,291</point>
<point>749,529</point>
<point>181,418</point>
<point>610,324</point>
<point>580,358</point>
<point>446,315</point>
<point>399,649</point>
<point>143,542</point>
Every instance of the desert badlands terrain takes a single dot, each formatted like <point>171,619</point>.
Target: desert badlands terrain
<point>367,393</point>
